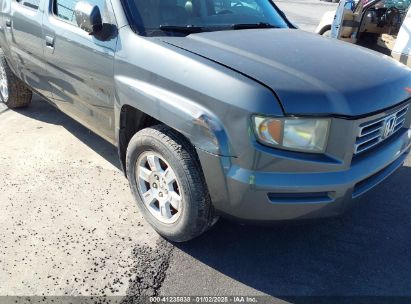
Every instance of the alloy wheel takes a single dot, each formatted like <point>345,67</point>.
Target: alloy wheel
<point>4,87</point>
<point>159,187</point>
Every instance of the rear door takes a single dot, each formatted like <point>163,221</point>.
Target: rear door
<point>80,66</point>
<point>23,32</point>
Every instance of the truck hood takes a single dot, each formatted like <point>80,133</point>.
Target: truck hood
<point>311,75</point>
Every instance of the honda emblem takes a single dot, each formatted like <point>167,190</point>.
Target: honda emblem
<point>389,127</point>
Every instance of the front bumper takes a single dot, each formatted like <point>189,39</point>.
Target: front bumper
<point>271,196</point>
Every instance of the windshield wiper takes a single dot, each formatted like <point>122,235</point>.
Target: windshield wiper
<point>183,29</point>
<point>245,26</point>
<point>190,29</point>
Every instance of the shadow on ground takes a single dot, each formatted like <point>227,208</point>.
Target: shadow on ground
<point>42,111</point>
<point>366,252</point>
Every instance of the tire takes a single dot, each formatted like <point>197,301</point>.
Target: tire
<point>156,150</point>
<point>326,31</point>
<point>13,92</point>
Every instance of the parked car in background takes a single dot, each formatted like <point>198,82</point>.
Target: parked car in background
<point>217,107</point>
<point>380,25</point>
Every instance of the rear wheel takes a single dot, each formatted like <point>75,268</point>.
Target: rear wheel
<point>167,181</point>
<point>13,92</point>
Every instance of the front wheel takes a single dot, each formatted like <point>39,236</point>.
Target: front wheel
<point>13,92</point>
<point>326,32</point>
<point>167,181</point>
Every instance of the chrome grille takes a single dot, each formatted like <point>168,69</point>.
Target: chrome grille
<point>374,132</point>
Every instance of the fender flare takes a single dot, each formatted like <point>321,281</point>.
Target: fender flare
<point>198,124</point>
<point>326,22</point>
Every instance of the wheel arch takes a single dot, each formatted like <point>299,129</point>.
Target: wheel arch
<point>326,22</point>
<point>324,29</point>
<point>147,105</point>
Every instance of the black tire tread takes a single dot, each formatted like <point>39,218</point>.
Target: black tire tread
<point>190,162</point>
<point>325,29</point>
<point>19,94</point>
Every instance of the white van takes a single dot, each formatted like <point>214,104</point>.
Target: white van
<point>381,25</point>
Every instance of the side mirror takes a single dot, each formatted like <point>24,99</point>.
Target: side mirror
<point>88,17</point>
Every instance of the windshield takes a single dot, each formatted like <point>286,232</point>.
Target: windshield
<point>181,17</point>
<point>400,4</point>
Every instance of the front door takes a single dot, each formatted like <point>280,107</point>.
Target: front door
<point>22,21</point>
<point>80,65</point>
<point>402,47</point>
<point>345,23</point>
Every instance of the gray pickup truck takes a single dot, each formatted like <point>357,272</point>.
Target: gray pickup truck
<point>217,107</point>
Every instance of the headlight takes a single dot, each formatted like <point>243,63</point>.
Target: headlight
<point>298,134</point>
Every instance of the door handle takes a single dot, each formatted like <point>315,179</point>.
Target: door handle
<point>8,23</point>
<point>50,42</point>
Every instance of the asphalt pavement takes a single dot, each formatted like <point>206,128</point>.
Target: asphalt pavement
<point>364,253</point>
<point>306,14</point>
<point>68,222</point>
<point>69,226</point>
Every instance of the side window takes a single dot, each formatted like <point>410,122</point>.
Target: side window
<point>34,4</point>
<point>64,9</point>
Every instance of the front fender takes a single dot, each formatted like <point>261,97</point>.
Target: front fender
<point>200,125</point>
<point>326,21</point>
